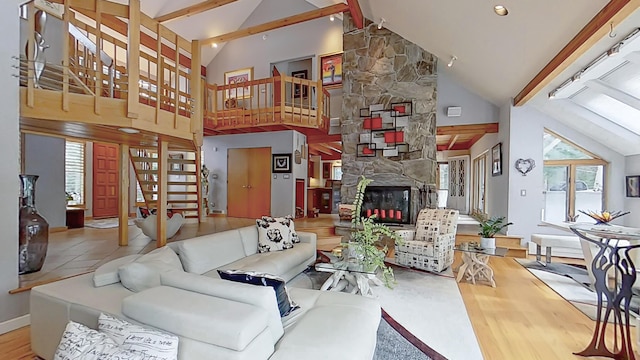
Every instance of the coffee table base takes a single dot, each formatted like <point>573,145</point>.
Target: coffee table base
<point>476,267</point>
<point>353,282</point>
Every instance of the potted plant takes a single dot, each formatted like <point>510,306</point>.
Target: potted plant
<point>365,235</point>
<point>489,228</point>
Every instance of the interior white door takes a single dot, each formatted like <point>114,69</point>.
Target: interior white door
<point>459,184</point>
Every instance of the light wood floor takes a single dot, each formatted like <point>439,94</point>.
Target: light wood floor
<point>520,319</point>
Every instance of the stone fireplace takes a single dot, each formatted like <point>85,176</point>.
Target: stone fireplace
<point>381,68</point>
<point>390,204</point>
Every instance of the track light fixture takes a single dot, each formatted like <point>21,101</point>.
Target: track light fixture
<point>453,58</point>
<point>381,23</point>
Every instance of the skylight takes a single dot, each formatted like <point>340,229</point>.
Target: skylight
<point>615,111</point>
<point>557,148</point>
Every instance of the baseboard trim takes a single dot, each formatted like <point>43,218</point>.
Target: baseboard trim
<point>15,324</point>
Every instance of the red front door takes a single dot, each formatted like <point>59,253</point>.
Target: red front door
<point>105,180</point>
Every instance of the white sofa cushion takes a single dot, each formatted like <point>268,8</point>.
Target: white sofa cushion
<point>145,272</point>
<point>208,319</point>
<point>273,235</point>
<point>253,295</point>
<point>107,273</point>
<point>81,342</point>
<point>276,263</point>
<point>205,253</point>
<point>152,343</point>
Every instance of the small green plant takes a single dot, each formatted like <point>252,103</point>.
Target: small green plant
<point>490,227</point>
<point>365,238</point>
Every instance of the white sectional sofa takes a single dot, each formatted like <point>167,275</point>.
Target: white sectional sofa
<point>214,318</point>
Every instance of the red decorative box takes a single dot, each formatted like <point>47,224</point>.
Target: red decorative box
<point>367,151</point>
<point>399,108</point>
<point>392,137</point>
<point>376,123</point>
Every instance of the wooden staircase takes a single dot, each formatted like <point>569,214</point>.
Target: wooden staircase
<point>510,242</point>
<point>182,193</point>
<point>327,238</point>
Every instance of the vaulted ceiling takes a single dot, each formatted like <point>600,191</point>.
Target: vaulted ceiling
<point>496,56</point>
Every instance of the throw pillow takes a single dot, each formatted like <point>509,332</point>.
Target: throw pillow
<point>287,221</point>
<point>272,235</point>
<point>144,212</point>
<point>285,304</point>
<point>153,344</point>
<point>81,342</point>
<point>144,273</point>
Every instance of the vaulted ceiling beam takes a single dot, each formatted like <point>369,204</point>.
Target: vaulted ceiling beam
<point>467,129</point>
<point>107,7</point>
<point>314,139</point>
<point>356,13</point>
<point>193,10</point>
<point>320,149</point>
<point>613,13</point>
<point>276,24</point>
<point>452,141</point>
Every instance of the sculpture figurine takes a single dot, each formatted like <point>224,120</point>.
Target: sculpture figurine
<point>205,188</point>
<point>39,60</point>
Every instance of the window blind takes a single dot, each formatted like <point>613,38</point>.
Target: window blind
<point>74,172</point>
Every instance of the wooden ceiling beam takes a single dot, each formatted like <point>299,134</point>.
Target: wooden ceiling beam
<point>356,13</point>
<point>193,10</point>
<point>314,139</point>
<point>613,13</point>
<point>320,149</point>
<point>107,7</point>
<point>452,141</point>
<point>276,24</point>
<point>467,129</point>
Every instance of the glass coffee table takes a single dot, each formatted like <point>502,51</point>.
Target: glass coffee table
<point>475,263</point>
<point>348,275</point>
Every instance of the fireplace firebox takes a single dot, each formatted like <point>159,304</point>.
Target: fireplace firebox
<point>390,204</point>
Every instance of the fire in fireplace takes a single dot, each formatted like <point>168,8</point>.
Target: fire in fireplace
<point>391,204</point>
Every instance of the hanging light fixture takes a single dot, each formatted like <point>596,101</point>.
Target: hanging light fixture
<point>381,23</point>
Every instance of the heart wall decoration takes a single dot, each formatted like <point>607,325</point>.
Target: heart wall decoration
<point>524,166</point>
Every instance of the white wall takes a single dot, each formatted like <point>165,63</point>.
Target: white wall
<point>527,129</point>
<point>311,38</point>
<point>631,204</point>
<point>44,156</point>
<point>282,190</point>
<point>475,109</point>
<point>11,306</point>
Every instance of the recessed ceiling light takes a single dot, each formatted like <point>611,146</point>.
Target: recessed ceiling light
<point>331,17</point>
<point>500,10</point>
<point>214,45</point>
<point>129,130</point>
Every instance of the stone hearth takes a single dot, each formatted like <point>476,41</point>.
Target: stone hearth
<point>381,67</point>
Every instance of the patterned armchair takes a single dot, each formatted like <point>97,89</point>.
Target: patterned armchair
<point>430,246</point>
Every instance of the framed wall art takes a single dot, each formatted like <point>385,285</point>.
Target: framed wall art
<point>281,163</point>
<point>300,90</point>
<point>633,186</point>
<point>331,69</point>
<point>496,160</point>
<point>235,78</point>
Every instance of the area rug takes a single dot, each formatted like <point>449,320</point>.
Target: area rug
<point>105,223</point>
<point>425,309</point>
<point>570,282</point>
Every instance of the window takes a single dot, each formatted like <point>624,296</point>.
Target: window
<point>337,172</point>
<point>74,172</point>
<point>573,179</point>
<point>443,184</point>
<point>479,185</point>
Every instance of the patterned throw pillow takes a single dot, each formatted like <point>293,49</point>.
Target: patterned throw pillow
<point>285,304</point>
<point>288,221</point>
<point>273,235</point>
<point>144,212</point>
<point>153,344</point>
<point>81,342</point>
